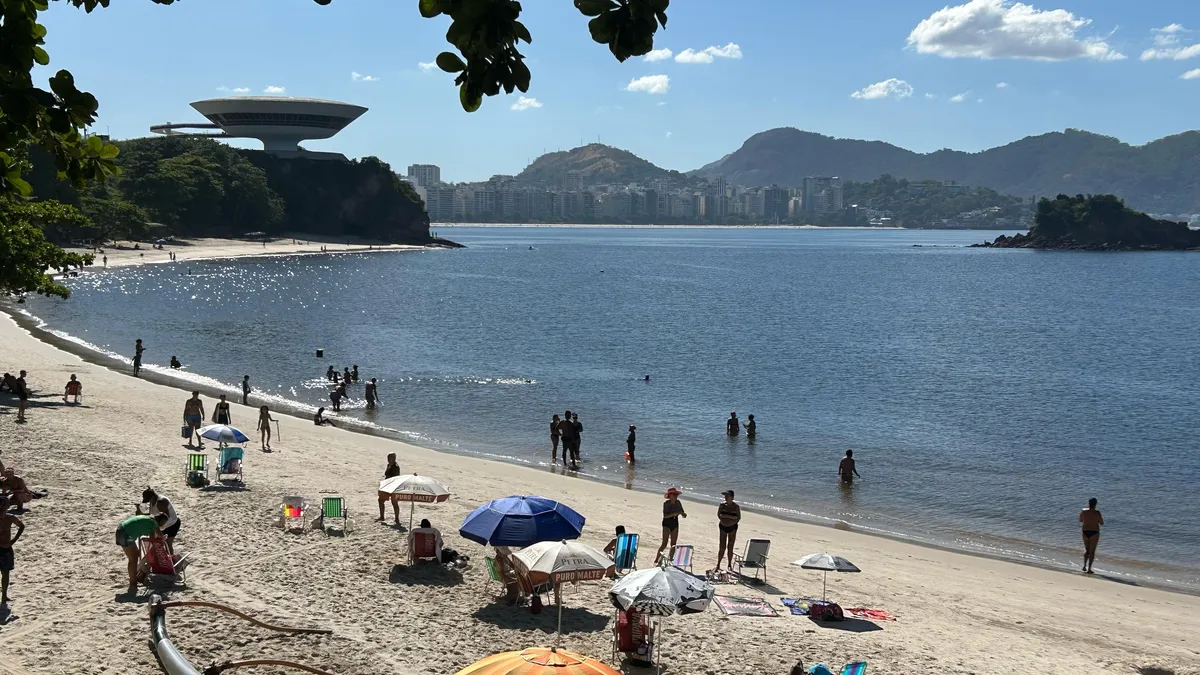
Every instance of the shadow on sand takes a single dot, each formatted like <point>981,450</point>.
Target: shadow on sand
<point>574,619</point>
<point>849,625</point>
<point>424,574</point>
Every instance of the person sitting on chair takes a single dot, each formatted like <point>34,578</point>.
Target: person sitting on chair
<point>426,529</point>
<point>15,489</point>
<point>611,549</point>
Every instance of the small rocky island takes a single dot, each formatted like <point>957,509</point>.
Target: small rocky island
<point>1098,223</point>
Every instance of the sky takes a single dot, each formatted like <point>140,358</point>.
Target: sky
<point>921,74</point>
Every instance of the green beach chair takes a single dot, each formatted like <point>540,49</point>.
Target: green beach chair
<point>334,508</point>
<point>493,573</point>
<point>197,465</point>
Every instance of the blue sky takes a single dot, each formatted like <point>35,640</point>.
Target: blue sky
<point>920,74</point>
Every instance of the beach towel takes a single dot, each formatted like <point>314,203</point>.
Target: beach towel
<point>870,614</point>
<point>798,606</point>
<point>735,606</point>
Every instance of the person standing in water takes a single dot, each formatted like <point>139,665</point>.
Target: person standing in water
<point>554,436</point>
<point>137,357</point>
<point>345,376</point>
<point>846,468</point>
<point>371,393</point>
<point>578,437</point>
<point>732,426</point>
<point>630,442</point>
<point>331,374</point>
<point>245,390</point>
<point>566,430</point>
<point>354,373</point>
<point>221,412</point>
<point>751,427</point>
<point>1091,520</point>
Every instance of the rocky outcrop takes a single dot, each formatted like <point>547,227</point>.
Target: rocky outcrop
<point>1098,223</point>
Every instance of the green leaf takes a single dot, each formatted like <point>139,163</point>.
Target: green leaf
<point>603,29</point>
<point>594,7</point>
<point>470,102</point>
<point>109,151</point>
<point>522,32</point>
<point>449,62</point>
<point>95,144</point>
<point>20,185</point>
<point>40,56</point>
<point>430,8</point>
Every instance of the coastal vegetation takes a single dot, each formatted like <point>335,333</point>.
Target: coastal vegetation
<point>931,204</point>
<point>1099,223</point>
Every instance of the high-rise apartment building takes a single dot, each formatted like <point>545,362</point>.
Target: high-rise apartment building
<point>425,175</point>
<point>775,204</point>
<point>822,194</point>
<point>573,181</point>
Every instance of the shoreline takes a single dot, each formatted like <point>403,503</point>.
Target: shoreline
<point>230,249</point>
<point>957,613</point>
<point>671,226</point>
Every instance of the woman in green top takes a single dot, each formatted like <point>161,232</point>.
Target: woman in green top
<point>128,532</point>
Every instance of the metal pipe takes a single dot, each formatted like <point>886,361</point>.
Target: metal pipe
<point>172,661</point>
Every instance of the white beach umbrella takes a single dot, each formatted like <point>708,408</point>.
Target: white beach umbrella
<point>564,561</point>
<point>827,563</point>
<point>413,488</point>
<point>662,591</point>
<point>223,433</point>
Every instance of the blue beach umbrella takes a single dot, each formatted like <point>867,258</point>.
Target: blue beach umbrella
<point>521,521</point>
<point>223,433</point>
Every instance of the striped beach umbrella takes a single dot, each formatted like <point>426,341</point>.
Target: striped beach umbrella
<point>223,433</point>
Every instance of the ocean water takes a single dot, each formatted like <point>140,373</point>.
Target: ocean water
<point>986,393</point>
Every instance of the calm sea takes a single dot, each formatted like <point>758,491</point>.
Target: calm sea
<point>986,393</point>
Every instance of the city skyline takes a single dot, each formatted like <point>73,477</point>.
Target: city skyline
<point>907,73</point>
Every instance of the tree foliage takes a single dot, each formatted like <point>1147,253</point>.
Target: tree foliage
<point>25,254</point>
<point>933,204</point>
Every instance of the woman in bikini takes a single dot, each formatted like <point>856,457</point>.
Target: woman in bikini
<point>672,509</point>
<point>729,514</point>
<point>264,427</point>
<point>1091,520</point>
<point>554,439</point>
<point>221,412</point>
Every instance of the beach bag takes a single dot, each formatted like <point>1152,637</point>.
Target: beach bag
<point>197,479</point>
<point>825,611</point>
<point>185,431</point>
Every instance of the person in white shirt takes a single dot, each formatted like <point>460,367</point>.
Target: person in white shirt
<point>425,528</point>
<point>157,504</point>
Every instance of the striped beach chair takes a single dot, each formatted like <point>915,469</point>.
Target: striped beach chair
<point>294,514</point>
<point>625,554</point>
<point>856,668</point>
<point>333,507</point>
<point>683,558</point>
<point>197,463</point>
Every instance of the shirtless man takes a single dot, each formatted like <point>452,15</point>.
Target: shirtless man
<point>7,539</point>
<point>846,469</point>
<point>193,416</point>
<point>138,348</point>
<point>1091,520</point>
<point>15,490</point>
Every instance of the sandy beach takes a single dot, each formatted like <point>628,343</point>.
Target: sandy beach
<point>956,613</point>
<point>196,249</point>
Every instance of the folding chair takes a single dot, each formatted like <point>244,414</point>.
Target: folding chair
<point>625,555</point>
<point>294,507</point>
<point>754,558</point>
<point>683,558</point>
<point>334,508</point>
<point>157,565</point>
<point>631,636</point>
<point>424,547</point>
<point>856,668</point>
<point>229,462</point>
<point>197,463</point>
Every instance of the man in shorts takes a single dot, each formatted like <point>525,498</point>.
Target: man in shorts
<point>137,357</point>
<point>22,391</point>
<point>7,539</point>
<point>193,416</point>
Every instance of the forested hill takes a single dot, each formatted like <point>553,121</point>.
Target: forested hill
<point>1158,177</point>
<point>596,163</point>
<point>197,187</point>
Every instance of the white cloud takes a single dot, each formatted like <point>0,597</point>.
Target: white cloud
<point>706,55</point>
<point>889,88</point>
<point>427,66</point>
<point>272,89</point>
<point>651,84</point>
<point>1193,74</point>
<point>658,55</point>
<point>1002,85</point>
<point>235,90</point>
<point>1003,29</point>
<point>359,77</point>
<point>1167,47</point>
<point>979,100</point>
<point>930,96</point>
<point>525,103</point>
<point>958,98</point>
<point>668,134</point>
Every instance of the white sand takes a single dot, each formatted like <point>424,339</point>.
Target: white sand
<point>957,613</point>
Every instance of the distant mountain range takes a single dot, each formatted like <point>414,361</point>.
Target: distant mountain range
<point>1160,177</point>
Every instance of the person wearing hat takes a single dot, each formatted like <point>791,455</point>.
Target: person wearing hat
<point>729,514</point>
<point>672,509</point>
<point>630,441</point>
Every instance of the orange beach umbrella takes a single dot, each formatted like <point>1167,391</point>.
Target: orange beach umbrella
<point>538,661</point>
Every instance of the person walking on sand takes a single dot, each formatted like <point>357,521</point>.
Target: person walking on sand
<point>105,260</point>
<point>672,510</point>
<point>264,427</point>
<point>554,436</point>
<point>751,427</point>
<point>7,541</point>
<point>732,426</point>
<point>74,388</point>
<point>729,514</point>
<point>193,416</point>
<point>630,442</point>
<point>221,412</point>
<point>371,393</point>
<point>846,468</point>
<point>22,390</point>
<point>138,348</point>
<point>128,532</point>
<point>1091,520</point>
<point>390,471</point>
<point>245,390</point>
